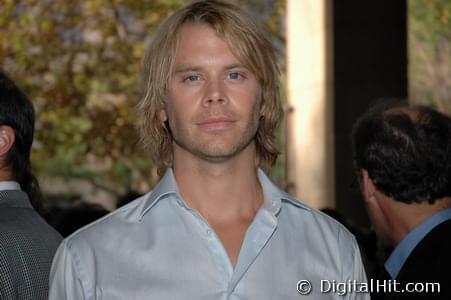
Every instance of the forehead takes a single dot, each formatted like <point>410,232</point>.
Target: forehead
<point>199,41</point>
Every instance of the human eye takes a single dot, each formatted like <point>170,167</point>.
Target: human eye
<point>235,75</point>
<point>191,78</point>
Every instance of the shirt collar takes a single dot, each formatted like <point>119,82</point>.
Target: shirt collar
<point>166,186</point>
<point>402,251</point>
<point>273,196</point>
<point>9,185</point>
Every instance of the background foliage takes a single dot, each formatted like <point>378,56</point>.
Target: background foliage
<point>430,53</point>
<point>79,61</point>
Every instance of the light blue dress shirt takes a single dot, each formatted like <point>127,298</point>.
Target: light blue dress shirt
<point>402,251</point>
<point>157,247</point>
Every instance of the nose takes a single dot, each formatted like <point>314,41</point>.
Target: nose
<point>214,93</point>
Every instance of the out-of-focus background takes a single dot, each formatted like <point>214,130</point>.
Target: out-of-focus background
<point>79,61</point>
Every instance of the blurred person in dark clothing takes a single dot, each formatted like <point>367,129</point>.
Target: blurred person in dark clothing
<point>69,220</point>
<point>128,197</point>
<point>403,158</point>
<point>27,242</point>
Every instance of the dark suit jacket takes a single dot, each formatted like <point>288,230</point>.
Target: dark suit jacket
<point>430,261</point>
<point>27,246</point>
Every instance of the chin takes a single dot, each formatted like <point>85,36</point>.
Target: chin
<point>214,148</point>
<point>218,153</point>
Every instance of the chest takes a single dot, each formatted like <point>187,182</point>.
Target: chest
<point>231,235</point>
<point>186,264</point>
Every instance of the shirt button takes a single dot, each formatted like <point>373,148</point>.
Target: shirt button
<point>208,232</point>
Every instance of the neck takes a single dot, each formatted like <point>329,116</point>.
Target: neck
<point>409,216</point>
<point>221,190</point>
<point>5,174</point>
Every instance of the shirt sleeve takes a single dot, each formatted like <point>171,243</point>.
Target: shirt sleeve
<point>65,282</point>
<point>358,274</point>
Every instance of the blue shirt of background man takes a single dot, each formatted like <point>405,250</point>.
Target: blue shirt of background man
<point>402,251</point>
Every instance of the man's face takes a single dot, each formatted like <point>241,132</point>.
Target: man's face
<point>213,101</point>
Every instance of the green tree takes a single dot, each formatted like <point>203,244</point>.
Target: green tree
<point>430,53</point>
<point>79,62</point>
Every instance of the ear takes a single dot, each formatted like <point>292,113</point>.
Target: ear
<point>376,208</point>
<point>163,116</point>
<point>368,187</point>
<point>7,137</point>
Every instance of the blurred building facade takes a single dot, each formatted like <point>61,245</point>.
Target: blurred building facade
<point>341,56</point>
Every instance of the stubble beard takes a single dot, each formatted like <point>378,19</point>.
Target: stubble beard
<point>217,149</point>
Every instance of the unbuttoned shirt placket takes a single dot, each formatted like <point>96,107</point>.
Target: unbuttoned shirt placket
<point>256,237</point>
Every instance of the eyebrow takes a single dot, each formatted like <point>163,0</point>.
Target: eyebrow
<point>188,68</point>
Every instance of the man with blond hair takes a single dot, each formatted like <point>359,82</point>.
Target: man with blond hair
<point>214,227</point>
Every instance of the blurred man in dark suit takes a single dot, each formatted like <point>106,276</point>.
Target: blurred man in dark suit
<point>27,242</point>
<point>403,158</point>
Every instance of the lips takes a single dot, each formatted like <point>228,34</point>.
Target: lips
<point>216,123</point>
<point>216,120</point>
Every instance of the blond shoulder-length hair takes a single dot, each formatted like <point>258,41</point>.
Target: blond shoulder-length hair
<point>247,40</point>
